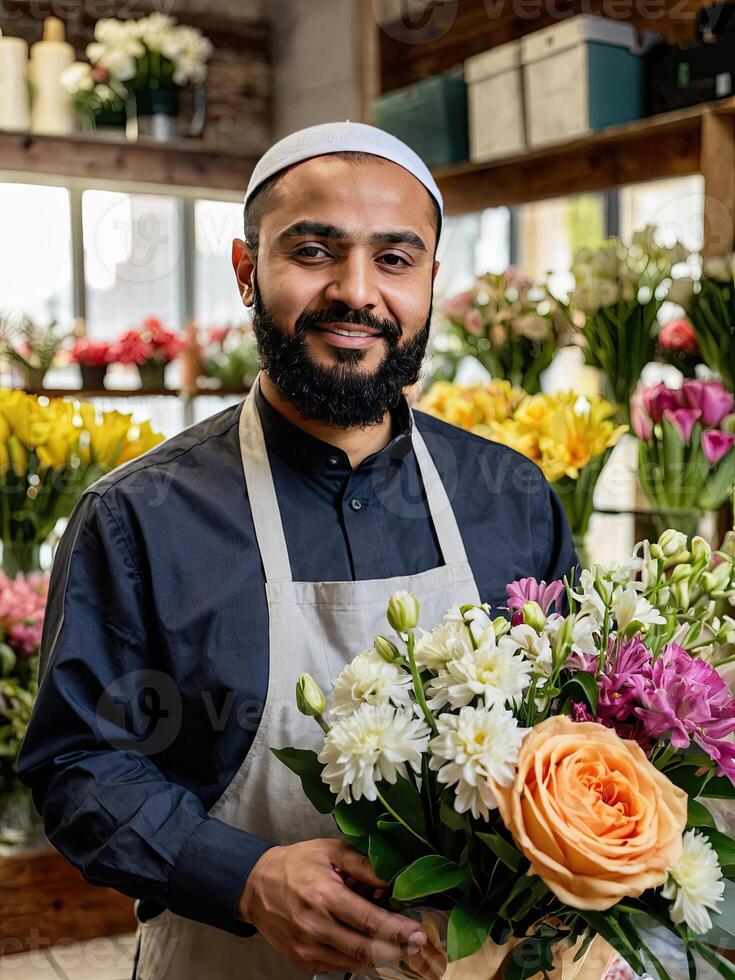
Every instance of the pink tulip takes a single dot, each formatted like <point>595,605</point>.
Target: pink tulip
<point>683,419</point>
<point>659,398</point>
<point>717,444</point>
<point>711,398</point>
<point>639,417</point>
<point>678,335</point>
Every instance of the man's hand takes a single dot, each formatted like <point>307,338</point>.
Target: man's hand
<point>297,898</point>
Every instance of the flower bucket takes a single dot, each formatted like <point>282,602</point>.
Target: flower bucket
<point>490,961</point>
<point>152,374</point>
<point>158,113</point>
<point>93,376</point>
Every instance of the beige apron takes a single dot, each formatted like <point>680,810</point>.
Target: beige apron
<point>317,627</point>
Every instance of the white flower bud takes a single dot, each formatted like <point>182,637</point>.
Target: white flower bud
<point>533,616</point>
<point>674,544</point>
<point>701,551</point>
<point>501,626</point>
<point>386,649</point>
<point>403,611</point>
<point>718,579</point>
<point>310,698</point>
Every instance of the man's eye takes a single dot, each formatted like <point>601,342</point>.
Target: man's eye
<point>396,261</point>
<point>308,251</point>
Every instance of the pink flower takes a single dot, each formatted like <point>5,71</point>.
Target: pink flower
<point>717,444</point>
<point>659,398</point>
<point>473,322</point>
<point>22,608</point>
<point>678,335</point>
<point>711,398</point>
<point>458,306</point>
<point>687,699</point>
<point>639,417</point>
<point>525,590</point>
<point>683,419</point>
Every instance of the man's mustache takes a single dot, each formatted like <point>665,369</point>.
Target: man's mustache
<point>360,318</point>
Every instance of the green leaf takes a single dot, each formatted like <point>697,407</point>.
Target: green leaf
<point>723,845</point>
<point>386,859</point>
<point>450,818</point>
<point>582,686</point>
<point>308,768</point>
<point>508,854</point>
<point>356,819</point>
<point>429,875</point>
<point>716,788</point>
<point>467,930</point>
<point>361,844</point>
<point>724,968</point>
<point>698,815</point>
<point>608,927</point>
<point>403,798</point>
<point>524,894</point>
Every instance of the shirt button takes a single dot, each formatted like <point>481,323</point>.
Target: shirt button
<point>356,504</point>
<point>332,461</point>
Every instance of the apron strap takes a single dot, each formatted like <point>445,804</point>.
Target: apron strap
<point>440,508</point>
<point>266,513</point>
<point>269,532</point>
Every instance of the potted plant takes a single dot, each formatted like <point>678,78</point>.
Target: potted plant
<point>231,357</point>
<point>155,58</point>
<point>93,358</point>
<point>511,325</point>
<point>150,348</point>
<point>98,98</point>
<point>29,347</point>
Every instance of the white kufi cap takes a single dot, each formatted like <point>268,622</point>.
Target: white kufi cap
<point>339,137</point>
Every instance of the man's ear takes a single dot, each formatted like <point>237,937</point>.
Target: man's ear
<point>435,270</point>
<point>243,262</point>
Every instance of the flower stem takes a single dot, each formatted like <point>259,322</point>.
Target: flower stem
<point>322,724</point>
<point>400,820</point>
<point>417,685</point>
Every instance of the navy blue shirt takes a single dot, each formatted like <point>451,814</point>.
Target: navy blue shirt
<point>154,659</point>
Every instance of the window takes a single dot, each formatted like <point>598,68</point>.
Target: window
<point>675,206</point>
<point>217,301</point>
<point>133,255</point>
<point>35,254</point>
<point>470,245</point>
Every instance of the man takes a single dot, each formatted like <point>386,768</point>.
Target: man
<point>194,585</point>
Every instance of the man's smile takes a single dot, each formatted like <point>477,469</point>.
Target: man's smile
<point>348,335</point>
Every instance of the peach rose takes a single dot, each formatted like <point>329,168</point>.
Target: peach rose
<point>596,820</point>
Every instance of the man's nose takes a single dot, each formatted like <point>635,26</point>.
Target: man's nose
<point>354,281</point>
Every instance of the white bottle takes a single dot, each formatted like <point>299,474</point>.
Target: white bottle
<point>14,105</point>
<point>52,112</point>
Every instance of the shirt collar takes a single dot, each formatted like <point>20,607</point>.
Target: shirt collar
<point>313,455</point>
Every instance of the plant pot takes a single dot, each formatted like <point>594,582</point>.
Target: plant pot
<point>158,113</point>
<point>21,556</point>
<point>33,378</point>
<point>93,376</point>
<point>114,119</point>
<point>152,374</point>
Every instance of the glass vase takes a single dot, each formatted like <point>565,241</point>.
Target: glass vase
<point>21,557</point>
<point>20,824</point>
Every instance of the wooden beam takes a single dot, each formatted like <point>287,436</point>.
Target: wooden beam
<point>718,169</point>
<point>180,163</point>
<point>369,53</point>
<point>662,146</point>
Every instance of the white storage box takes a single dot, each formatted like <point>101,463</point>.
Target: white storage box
<point>582,74</point>
<point>495,103</point>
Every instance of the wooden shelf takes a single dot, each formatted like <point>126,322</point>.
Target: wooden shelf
<point>86,393</point>
<point>178,163</point>
<point>668,145</point>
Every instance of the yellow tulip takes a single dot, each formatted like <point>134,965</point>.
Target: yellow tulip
<point>18,456</point>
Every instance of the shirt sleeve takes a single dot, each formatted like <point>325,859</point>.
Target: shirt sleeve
<point>98,723</point>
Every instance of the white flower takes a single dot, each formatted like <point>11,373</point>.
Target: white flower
<point>155,31</point>
<point>372,744</point>
<point>77,78</point>
<point>369,680</point>
<point>493,672</point>
<point>116,48</point>
<point>189,50</point>
<point>695,882</point>
<point>536,646</point>
<point>476,744</point>
<point>447,642</point>
<point>630,607</point>
<point>590,600</point>
<point>477,618</point>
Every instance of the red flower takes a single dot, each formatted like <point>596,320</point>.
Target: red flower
<point>92,353</point>
<point>678,335</point>
<point>151,343</point>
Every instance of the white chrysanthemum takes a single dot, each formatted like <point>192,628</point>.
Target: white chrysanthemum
<point>372,744</point>
<point>630,607</point>
<point>447,642</point>
<point>470,747</point>
<point>368,679</point>
<point>695,882</point>
<point>494,672</point>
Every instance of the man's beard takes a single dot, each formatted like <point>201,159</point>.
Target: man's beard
<point>342,396</point>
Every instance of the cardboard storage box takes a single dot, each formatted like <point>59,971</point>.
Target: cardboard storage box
<point>583,74</point>
<point>495,103</point>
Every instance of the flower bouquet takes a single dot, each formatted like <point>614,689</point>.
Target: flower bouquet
<point>711,308</point>
<point>22,608</point>
<point>569,436</point>
<point>154,58</point>
<point>687,448</point>
<point>97,97</point>
<point>150,348</point>
<point>542,785</point>
<point>50,452</point>
<point>620,291</point>
<point>230,357</point>
<point>30,347</point>
<point>677,345</point>
<point>510,325</point>
<point>93,358</point>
